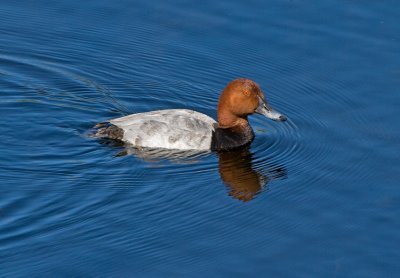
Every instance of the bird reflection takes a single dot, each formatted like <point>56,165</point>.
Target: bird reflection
<point>236,169</point>
<point>243,180</point>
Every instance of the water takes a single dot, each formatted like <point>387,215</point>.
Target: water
<point>317,196</point>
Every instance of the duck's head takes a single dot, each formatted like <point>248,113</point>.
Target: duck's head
<point>240,98</point>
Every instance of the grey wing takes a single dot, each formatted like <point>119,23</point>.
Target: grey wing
<point>172,129</point>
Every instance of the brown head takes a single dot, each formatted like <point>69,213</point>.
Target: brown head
<point>240,98</point>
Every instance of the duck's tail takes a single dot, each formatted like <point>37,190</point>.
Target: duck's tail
<point>106,130</point>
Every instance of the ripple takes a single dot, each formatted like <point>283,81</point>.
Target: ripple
<point>100,208</point>
<point>42,156</point>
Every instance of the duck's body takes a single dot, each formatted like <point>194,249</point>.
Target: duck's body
<point>180,129</point>
<point>184,129</point>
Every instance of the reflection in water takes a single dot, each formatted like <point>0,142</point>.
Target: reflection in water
<point>237,172</point>
<point>235,166</point>
<point>157,155</point>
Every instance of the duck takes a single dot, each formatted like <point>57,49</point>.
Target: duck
<point>184,129</point>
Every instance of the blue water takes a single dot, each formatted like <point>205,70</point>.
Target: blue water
<point>317,196</point>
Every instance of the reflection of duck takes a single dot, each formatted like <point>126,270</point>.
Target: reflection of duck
<point>237,172</point>
<point>235,167</point>
<point>184,129</point>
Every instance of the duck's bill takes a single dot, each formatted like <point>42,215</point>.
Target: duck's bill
<point>267,111</point>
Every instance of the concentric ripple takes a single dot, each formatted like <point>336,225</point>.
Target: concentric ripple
<point>301,194</point>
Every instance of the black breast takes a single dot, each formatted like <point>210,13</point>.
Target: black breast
<point>230,138</point>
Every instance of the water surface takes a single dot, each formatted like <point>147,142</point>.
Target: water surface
<point>317,196</point>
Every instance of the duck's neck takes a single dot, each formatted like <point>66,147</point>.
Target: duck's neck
<point>230,120</point>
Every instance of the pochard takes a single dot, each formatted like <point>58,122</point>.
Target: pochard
<point>184,129</point>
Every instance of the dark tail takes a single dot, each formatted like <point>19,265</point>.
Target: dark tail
<point>106,130</point>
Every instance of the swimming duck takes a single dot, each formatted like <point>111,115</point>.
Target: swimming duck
<point>184,129</point>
